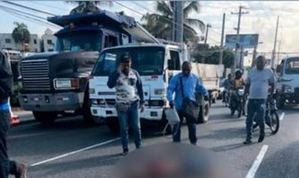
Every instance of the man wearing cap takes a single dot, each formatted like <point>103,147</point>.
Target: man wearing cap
<point>6,166</point>
<point>129,99</point>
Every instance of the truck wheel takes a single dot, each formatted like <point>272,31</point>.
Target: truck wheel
<point>88,118</point>
<point>45,118</point>
<point>112,123</point>
<point>204,112</point>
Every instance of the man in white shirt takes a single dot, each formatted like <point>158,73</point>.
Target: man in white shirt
<point>257,86</point>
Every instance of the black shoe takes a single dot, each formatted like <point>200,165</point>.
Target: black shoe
<point>261,138</point>
<point>125,152</point>
<point>247,142</point>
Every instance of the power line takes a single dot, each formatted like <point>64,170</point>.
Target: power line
<point>26,7</point>
<point>26,17</point>
<point>120,4</point>
<point>39,17</point>
<point>161,16</point>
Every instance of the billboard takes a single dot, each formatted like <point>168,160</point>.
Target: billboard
<point>246,40</point>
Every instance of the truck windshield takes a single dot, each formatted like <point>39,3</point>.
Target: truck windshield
<point>79,41</point>
<point>146,60</point>
<point>292,66</point>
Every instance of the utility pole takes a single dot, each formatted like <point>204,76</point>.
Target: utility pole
<point>178,22</point>
<point>222,39</point>
<point>275,41</point>
<point>207,32</point>
<point>240,13</point>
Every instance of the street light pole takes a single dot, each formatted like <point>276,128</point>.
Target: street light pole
<point>275,41</point>
<point>207,32</point>
<point>222,39</point>
<point>238,39</point>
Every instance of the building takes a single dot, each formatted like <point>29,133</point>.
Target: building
<point>48,41</point>
<point>44,44</point>
<point>7,42</point>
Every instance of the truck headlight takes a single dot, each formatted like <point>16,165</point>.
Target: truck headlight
<point>66,83</point>
<point>288,89</point>
<point>160,91</point>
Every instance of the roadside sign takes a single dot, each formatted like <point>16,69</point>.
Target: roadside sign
<point>246,40</point>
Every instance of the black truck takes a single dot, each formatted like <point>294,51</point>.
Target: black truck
<point>56,83</point>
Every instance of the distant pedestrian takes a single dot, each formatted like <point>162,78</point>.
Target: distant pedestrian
<point>257,85</point>
<point>129,99</point>
<point>185,85</point>
<point>6,166</point>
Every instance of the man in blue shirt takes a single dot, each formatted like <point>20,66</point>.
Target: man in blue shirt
<point>191,85</point>
<point>6,166</point>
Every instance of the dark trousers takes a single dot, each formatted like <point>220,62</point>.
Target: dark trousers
<point>256,109</point>
<point>176,133</point>
<point>6,166</point>
<point>130,118</point>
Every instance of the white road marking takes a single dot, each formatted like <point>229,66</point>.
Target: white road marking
<point>281,117</point>
<point>75,152</point>
<point>257,162</point>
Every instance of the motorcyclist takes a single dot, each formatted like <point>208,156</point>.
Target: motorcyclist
<point>228,84</point>
<point>238,83</point>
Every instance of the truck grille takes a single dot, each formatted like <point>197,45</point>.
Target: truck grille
<point>35,75</point>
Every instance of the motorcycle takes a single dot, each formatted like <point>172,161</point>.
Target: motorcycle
<point>237,102</point>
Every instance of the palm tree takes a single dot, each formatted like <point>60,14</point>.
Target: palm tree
<point>21,34</point>
<point>160,24</point>
<point>87,6</point>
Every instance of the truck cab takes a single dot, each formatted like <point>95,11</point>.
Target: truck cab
<point>156,63</point>
<point>288,81</point>
<point>56,83</point>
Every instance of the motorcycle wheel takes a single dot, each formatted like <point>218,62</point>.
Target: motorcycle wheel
<point>274,122</point>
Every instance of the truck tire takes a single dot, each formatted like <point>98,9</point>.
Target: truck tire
<point>45,118</point>
<point>88,118</point>
<point>204,112</point>
<point>113,125</point>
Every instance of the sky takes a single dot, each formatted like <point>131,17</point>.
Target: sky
<point>261,19</point>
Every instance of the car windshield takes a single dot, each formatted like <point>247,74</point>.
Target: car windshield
<point>146,60</point>
<point>79,41</point>
<point>292,66</point>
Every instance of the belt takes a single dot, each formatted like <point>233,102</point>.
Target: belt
<point>4,107</point>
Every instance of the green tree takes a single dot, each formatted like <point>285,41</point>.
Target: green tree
<point>21,34</point>
<point>211,55</point>
<point>160,24</point>
<point>87,6</point>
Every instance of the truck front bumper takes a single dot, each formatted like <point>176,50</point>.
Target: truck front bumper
<point>149,113</point>
<point>52,102</point>
<point>292,98</point>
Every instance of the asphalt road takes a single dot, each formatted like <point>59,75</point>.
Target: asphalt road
<point>70,149</point>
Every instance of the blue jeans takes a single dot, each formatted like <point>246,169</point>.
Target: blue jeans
<point>256,109</point>
<point>6,166</point>
<point>130,118</point>
<point>176,133</point>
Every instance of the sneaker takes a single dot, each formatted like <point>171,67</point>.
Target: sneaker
<point>261,138</point>
<point>21,171</point>
<point>247,142</point>
<point>125,152</point>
